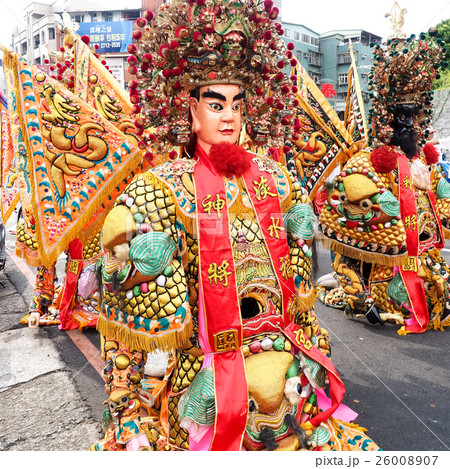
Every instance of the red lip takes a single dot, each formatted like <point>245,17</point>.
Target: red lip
<point>227,131</point>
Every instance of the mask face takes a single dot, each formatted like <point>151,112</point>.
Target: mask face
<point>217,114</point>
<point>403,124</point>
<point>403,116</point>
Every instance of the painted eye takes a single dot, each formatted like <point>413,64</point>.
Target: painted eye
<point>402,117</point>
<point>293,390</point>
<point>124,399</point>
<point>343,197</point>
<point>366,204</point>
<point>236,107</point>
<point>251,405</point>
<point>215,107</point>
<point>112,406</point>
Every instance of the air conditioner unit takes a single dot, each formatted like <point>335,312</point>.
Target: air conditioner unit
<point>305,55</point>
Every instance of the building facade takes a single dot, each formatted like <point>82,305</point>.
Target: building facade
<point>108,24</point>
<point>326,58</point>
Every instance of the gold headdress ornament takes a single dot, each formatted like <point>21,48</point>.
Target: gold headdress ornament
<point>192,43</point>
<point>403,72</point>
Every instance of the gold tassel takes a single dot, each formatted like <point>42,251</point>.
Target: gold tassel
<point>174,340</point>
<point>336,423</point>
<point>355,253</point>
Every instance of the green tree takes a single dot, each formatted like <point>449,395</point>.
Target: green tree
<point>443,31</point>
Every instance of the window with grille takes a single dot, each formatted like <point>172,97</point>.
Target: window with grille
<point>343,79</point>
<point>314,58</point>
<point>306,38</point>
<point>344,59</point>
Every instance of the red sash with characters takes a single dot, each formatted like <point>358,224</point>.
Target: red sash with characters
<point>413,283</point>
<point>221,303</point>
<point>263,194</point>
<point>336,386</point>
<point>224,328</point>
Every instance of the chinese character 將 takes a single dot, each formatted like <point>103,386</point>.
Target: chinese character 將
<point>219,274</point>
<point>286,267</point>
<point>408,182</point>
<point>411,222</point>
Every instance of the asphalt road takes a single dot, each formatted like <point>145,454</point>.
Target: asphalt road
<point>397,384</point>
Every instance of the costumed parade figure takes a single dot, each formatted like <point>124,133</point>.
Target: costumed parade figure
<point>207,263</point>
<point>386,213</point>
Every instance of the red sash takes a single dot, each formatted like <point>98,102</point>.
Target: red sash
<point>223,319</point>
<point>264,197</point>
<point>413,283</point>
<point>70,285</point>
<point>221,303</point>
<point>336,386</point>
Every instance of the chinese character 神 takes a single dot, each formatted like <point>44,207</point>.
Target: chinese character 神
<point>219,273</point>
<point>411,265</point>
<point>217,205</point>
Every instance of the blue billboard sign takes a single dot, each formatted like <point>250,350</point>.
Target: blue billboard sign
<point>111,36</point>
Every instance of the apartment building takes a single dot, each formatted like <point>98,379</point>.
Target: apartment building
<point>326,58</point>
<point>108,24</point>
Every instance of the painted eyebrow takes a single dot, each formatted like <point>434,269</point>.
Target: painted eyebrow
<point>239,96</point>
<point>214,95</point>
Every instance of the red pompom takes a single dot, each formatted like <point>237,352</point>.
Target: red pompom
<point>431,154</point>
<point>384,159</point>
<point>229,159</point>
<point>86,39</point>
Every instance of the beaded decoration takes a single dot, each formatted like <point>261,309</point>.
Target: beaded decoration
<point>192,43</point>
<point>403,72</point>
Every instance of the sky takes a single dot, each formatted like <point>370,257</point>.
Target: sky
<point>320,16</point>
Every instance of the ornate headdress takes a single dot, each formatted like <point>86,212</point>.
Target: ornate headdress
<point>403,72</point>
<point>192,43</point>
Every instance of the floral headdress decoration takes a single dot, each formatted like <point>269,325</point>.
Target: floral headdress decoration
<point>403,72</point>
<point>191,43</point>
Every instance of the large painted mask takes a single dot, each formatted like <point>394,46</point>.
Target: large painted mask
<point>361,216</point>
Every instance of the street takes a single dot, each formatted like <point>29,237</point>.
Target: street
<point>51,391</point>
